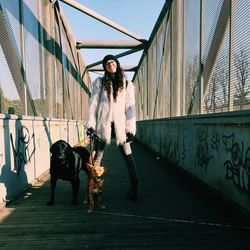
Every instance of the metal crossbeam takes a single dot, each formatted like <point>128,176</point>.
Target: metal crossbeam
<point>124,67</point>
<point>107,44</point>
<point>117,56</point>
<point>101,18</point>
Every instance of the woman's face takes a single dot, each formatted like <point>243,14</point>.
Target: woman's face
<point>111,66</point>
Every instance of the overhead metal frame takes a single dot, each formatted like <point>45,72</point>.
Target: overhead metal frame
<point>103,19</point>
<point>117,56</point>
<point>164,12</point>
<point>134,46</point>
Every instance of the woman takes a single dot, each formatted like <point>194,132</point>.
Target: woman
<point>112,115</point>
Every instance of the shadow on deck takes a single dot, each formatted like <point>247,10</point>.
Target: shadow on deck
<point>172,212</point>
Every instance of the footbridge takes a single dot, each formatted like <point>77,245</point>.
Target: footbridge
<point>192,146</point>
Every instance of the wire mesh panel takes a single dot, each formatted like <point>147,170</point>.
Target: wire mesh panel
<point>165,96</point>
<point>59,91</point>
<point>216,56</point>
<point>40,72</point>
<point>191,43</point>
<point>158,86</point>
<point>11,78</point>
<point>162,99</point>
<point>67,79</point>
<point>206,64</point>
<point>141,92</point>
<point>241,54</point>
<point>32,67</point>
<point>152,79</point>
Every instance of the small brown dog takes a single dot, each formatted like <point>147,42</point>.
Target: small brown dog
<point>95,185</point>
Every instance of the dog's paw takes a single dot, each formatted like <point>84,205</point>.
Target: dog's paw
<point>102,207</point>
<point>89,211</point>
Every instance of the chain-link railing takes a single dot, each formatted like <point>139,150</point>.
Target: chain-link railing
<point>41,72</point>
<point>198,60</point>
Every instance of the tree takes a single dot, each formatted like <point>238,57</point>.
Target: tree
<point>192,74</point>
<point>242,89</point>
<point>217,94</point>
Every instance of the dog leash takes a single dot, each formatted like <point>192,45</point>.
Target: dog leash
<point>84,142</point>
<point>91,141</point>
<point>87,140</point>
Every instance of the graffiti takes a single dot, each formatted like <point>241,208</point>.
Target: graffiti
<point>202,152</point>
<point>238,166</point>
<point>215,140</point>
<point>184,149</point>
<point>228,142</point>
<point>24,148</point>
<point>173,150</point>
<point>176,151</point>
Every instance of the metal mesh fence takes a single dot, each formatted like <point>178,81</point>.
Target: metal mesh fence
<point>41,72</point>
<point>241,56</point>
<point>206,60</point>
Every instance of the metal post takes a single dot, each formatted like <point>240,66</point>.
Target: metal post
<point>184,57</point>
<point>48,57</point>
<point>176,55</point>
<point>23,56</point>
<point>171,63</point>
<point>201,92</point>
<point>147,84</point>
<point>231,57</point>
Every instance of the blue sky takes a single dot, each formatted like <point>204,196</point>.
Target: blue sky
<point>137,16</point>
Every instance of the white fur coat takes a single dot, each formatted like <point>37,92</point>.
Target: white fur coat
<point>102,112</point>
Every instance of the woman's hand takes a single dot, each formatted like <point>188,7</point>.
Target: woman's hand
<point>90,131</point>
<point>129,137</point>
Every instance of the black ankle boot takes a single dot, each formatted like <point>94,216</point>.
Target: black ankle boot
<point>133,191</point>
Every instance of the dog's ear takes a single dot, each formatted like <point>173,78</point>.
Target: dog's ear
<point>104,168</point>
<point>68,148</point>
<point>53,146</point>
<point>89,166</point>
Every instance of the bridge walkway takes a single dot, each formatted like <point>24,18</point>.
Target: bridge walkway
<point>173,212</point>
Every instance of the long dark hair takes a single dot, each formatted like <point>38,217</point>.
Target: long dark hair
<point>117,81</point>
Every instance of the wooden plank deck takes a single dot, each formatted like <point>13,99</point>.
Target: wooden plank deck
<point>172,212</point>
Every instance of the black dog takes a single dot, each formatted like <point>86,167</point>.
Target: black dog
<point>66,163</point>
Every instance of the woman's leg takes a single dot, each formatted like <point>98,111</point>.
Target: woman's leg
<point>131,167</point>
<point>99,151</point>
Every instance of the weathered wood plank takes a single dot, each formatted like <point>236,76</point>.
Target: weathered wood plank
<point>172,212</point>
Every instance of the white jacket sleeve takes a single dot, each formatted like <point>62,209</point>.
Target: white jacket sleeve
<point>130,109</point>
<point>93,104</point>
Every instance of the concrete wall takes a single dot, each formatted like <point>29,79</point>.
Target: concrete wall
<point>213,148</point>
<point>24,150</point>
